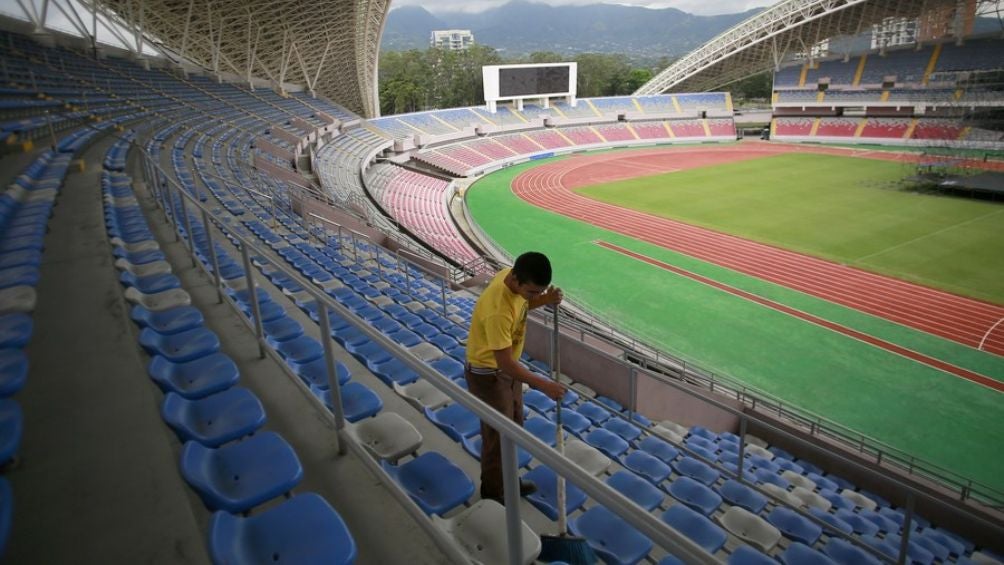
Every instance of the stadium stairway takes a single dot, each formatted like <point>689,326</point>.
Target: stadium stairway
<point>97,463</point>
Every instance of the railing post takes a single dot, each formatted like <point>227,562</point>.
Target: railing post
<point>212,255</point>
<point>188,228</point>
<point>904,542</point>
<point>442,293</point>
<point>329,365</point>
<point>742,446</point>
<point>259,329</point>
<point>633,392</point>
<point>510,486</point>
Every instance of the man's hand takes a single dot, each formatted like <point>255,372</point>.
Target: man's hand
<point>554,390</point>
<point>552,295</point>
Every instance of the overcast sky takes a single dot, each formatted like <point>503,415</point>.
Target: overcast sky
<point>702,7</point>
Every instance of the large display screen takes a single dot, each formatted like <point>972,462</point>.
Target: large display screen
<point>529,81</point>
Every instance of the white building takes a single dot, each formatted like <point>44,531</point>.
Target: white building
<point>452,39</point>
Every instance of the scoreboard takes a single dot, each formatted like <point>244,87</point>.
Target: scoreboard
<point>534,81</point>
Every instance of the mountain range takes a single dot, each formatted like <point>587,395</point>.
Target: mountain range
<point>521,27</point>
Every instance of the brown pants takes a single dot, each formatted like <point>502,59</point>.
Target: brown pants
<point>504,394</point>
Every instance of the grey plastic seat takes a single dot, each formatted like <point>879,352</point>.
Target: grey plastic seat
<point>750,528</point>
<point>781,493</point>
<point>584,390</point>
<point>810,499</point>
<point>757,450</point>
<point>421,394</point>
<point>859,499</point>
<point>586,456</point>
<point>387,436</point>
<point>426,351</point>
<point>144,270</point>
<point>17,299</point>
<point>673,427</point>
<point>798,480</point>
<point>754,440</point>
<point>480,531</point>
<point>145,245</point>
<point>159,301</point>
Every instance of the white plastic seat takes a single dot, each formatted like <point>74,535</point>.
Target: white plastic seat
<point>145,270</point>
<point>584,390</point>
<point>750,528</point>
<point>136,247</point>
<point>480,531</point>
<point>785,496</point>
<point>859,499</point>
<point>754,440</point>
<point>426,351</point>
<point>811,499</point>
<point>586,456</point>
<point>798,480</point>
<point>421,394</point>
<point>673,427</point>
<point>757,450</point>
<point>387,435</point>
<point>17,299</point>
<point>160,300</point>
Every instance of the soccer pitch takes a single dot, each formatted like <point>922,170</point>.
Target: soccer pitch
<point>870,390</point>
<point>846,209</point>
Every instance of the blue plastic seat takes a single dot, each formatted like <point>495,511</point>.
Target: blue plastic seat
<point>612,538</point>
<point>433,482</point>
<point>746,555</point>
<point>697,470</point>
<point>150,284</point>
<point>170,321</point>
<point>623,428</point>
<point>838,502</point>
<point>738,494</point>
<point>885,524</point>
<point>404,337</point>
<point>304,530</point>
<point>640,491</point>
<point>182,346</point>
<point>801,554</point>
<point>794,526</point>
<point>695,526</point>
<point>392,370</point>
<point>196,378</point>
<point>215,419</point>
<point>572,421</point>
<point>11,428</point>
<point>6,512</point>
<point>546,497</point>
<point>647,466</point>
<point>241,475</point>
<point>314,373</point>
<point>610,403</point>
<point>594,412</point>
<point>472,445</point>
<point>954,546</point>
<point>915,552</point>
<point>545,430</point>
<point>831,520</point>
<point>608,442</point>
<point>659,449</point>
<point>695,495</point>
<point>300,350</point>
<point>458,422</point>
<point>15,330</point>
<point>857,522</point>
<point>764,476</point>
<point>282,329</point>
<point>449,368</point>
<point>358,400</point>
<point>13,371</point>
<point>538,401</point>
<point>845,553</point>
<point>22,275</point>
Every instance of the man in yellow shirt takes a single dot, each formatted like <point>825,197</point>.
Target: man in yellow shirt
<point>494,345</point>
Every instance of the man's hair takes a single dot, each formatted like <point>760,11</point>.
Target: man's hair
<point>532,267</point>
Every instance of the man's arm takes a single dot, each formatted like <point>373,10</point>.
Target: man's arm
<point>511,367</point>
<point>552,295</point>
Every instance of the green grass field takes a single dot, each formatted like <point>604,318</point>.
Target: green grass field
<point>865,388</point>
<point>840,208</point>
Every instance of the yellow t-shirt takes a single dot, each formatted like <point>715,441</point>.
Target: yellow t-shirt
<point>498,321</point>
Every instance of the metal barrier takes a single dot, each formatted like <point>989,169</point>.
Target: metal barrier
<point>169,194</point>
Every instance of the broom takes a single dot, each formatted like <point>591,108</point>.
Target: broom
<point>564,546</point>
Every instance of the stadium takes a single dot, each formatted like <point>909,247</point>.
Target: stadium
<point>234,298</point>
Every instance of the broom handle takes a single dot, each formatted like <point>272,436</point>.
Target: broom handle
<point>560,440</point>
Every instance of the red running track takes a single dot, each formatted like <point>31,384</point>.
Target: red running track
<point>964,320</point>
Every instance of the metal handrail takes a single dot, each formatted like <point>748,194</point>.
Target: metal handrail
<point>512,434</point>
